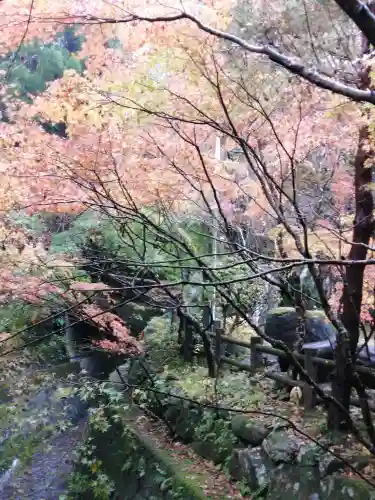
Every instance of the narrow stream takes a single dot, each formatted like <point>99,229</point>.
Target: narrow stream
<point>8,474</point>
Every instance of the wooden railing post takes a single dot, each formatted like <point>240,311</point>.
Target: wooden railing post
<point>218,334</point>
<point>255,355</point>
<point>206,316</point>
<point>174,317</point>
<point>309,396</point>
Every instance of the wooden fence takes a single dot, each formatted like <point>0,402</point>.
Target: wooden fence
<point>308,359</point>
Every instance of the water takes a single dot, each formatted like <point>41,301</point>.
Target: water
<point>47,473</point>
<point>7,475</point>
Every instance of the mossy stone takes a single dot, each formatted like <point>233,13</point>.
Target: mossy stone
<point>249,430</point>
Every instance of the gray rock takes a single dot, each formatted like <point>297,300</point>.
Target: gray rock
<point>172,413</point>
<point>4,394</point>
<point>328,464</point>
<point>251,465</point>
<point>291,482</point>
<point>280,447</point>
<point>188,419</point>
<point>308,455</point>
<point>311,454</point>
<point>282,324</point>
<point>216,444</point>
<point>344,488</point>
<point>248,430</point>
<point>360,462</point>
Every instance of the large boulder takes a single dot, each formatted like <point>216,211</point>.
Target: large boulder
<point>212,450</point>
<point>282,324</point>
<point>280,447</point>
<point>133,372</point>
<point>248,430</point>
<point>344,488</point>
<point>313,455</point>
<point>214,440</point>
<point>137,316</point>
<point>294,482</point>
<point>188,419</point>
<point>251,465</point>
<point>290,482</point>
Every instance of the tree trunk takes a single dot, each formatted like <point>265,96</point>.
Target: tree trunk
<point>188,339</point>
<point>353,285</point>
<point>362,231</point>
<point>190,326</point>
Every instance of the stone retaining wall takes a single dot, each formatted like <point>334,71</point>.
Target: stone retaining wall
<point>273,461</point>
<point>139,468</point>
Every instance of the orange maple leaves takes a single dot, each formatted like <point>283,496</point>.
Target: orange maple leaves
<point>127,118</point>
<point>109,323</point>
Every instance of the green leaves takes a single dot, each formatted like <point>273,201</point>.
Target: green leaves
<point>36,65</point>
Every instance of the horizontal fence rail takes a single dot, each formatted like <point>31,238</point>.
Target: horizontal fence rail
<point>265,349</point>
<point>308,359</point>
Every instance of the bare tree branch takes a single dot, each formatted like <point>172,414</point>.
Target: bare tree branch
<point>292,64</point>
<point>361,15</point>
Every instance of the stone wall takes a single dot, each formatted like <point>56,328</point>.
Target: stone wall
<point>138,467</point>
<point>273,461</point>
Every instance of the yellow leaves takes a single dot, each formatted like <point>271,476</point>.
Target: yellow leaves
<point>341,108</point>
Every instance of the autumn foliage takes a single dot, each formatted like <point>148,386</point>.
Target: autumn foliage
<point>140,128</point>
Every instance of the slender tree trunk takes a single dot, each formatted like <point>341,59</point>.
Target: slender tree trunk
<point>188,336</point>
<point>363,227</point>
<point>362,231</point>
<point>353,286</point>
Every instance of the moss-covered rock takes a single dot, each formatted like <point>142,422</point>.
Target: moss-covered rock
<point>248,430</point>
<point>211,450</point>
<point>137,316</point>
<point>280,448</point>
<point>251,465</point>
<point>290,482</point>
<point>171,414</point>
<point>187,421</point>
<point>344,488</point>
<point>282,324</point>
<point>312,454</point>
<point>308,455</point>
<point>214,440</point>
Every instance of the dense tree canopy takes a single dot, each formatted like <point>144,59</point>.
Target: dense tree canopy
<point>217,118</point>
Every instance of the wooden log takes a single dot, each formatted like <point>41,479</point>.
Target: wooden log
<point>265,349</point>
<point>284,379</point>
<point>231,340</point>
<point>218,336</point>
<point>255,358</point>
<point>206,318</point>
<point>237,364</point>
<point>309,396</point>
<point>299,383</point>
